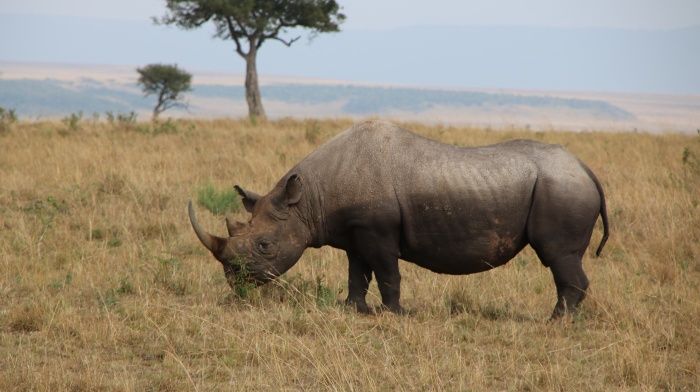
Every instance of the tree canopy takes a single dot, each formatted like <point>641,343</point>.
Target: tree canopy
<point>253,22</point>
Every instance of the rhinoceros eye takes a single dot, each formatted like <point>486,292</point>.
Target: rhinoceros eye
<point>264,246</point>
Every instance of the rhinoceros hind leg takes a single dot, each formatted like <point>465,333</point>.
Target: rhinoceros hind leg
<point>561,247</point>
<point>559,229</point>
<point>571,284</point>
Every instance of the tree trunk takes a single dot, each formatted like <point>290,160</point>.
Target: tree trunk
<point>252,90</point>
<point>159,104</point>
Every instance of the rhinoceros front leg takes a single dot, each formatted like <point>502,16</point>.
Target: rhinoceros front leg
<point>359,277</point>
<point>381,254</point>
<point>389,282</point>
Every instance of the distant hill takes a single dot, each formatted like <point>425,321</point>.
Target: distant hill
<point>42,98</point>
<point>46,90</point>
<point>361,100</point>
<point>48,97</point>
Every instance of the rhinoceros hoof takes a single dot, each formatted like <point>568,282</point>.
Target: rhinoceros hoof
<point>360,307</point>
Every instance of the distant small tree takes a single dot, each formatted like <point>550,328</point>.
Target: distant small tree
<point>254,22</point>
<point>7,118</point>
<point>167,82</point>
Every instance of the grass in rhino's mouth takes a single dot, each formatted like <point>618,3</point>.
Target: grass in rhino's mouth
<point>241,281</point>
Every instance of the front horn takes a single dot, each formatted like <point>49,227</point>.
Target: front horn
<point>211,242</point>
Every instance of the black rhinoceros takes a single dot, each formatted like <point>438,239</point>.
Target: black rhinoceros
<point>381,193</point>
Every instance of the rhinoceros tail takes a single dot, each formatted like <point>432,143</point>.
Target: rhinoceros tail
<point>604,216</point>
<point>603,210</point>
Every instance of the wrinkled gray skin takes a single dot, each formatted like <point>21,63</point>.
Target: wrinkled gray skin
<point>382,193</point>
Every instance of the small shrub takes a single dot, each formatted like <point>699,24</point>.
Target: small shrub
<point>124,121</point>
<point>46,210</point>
<point>114,242</point>
<point>97,235</point>
<point>8,117</point>
<point>61,283</point>
<point>125,286</point>
<point>690,160</point>
<point>111,236</point>
<point>72,122</point>
<point>128,122</point>
<point>167,127</point>
<point>324,295</point>
<point>686,157</point>
<point>108,299</point>
<point>218,202</point>
<point>126,118</point>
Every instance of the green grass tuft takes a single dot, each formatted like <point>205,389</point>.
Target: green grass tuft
<point>218,202</point>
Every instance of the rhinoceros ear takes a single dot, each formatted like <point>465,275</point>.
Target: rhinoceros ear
<point>292,189</point>
<point>249,198</point>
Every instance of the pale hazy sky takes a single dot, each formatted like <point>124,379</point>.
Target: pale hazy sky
<point>591,45</point>
<point>380,14</point>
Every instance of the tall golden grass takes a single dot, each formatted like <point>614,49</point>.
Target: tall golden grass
<point>103,285</point>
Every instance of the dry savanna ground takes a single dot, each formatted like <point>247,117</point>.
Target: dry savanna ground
<point>103,285</point>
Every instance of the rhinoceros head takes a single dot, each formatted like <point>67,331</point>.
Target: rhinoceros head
<point>267,245</point>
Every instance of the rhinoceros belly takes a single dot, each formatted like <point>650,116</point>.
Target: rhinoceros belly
<point>466,218</point>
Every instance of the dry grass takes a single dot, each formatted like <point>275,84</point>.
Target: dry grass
<point>104,286</point>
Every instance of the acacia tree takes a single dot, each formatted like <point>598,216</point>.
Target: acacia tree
<point>167,82</point>
<point>250,23</point>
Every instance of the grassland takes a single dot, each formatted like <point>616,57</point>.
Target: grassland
<point>103,285</point>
